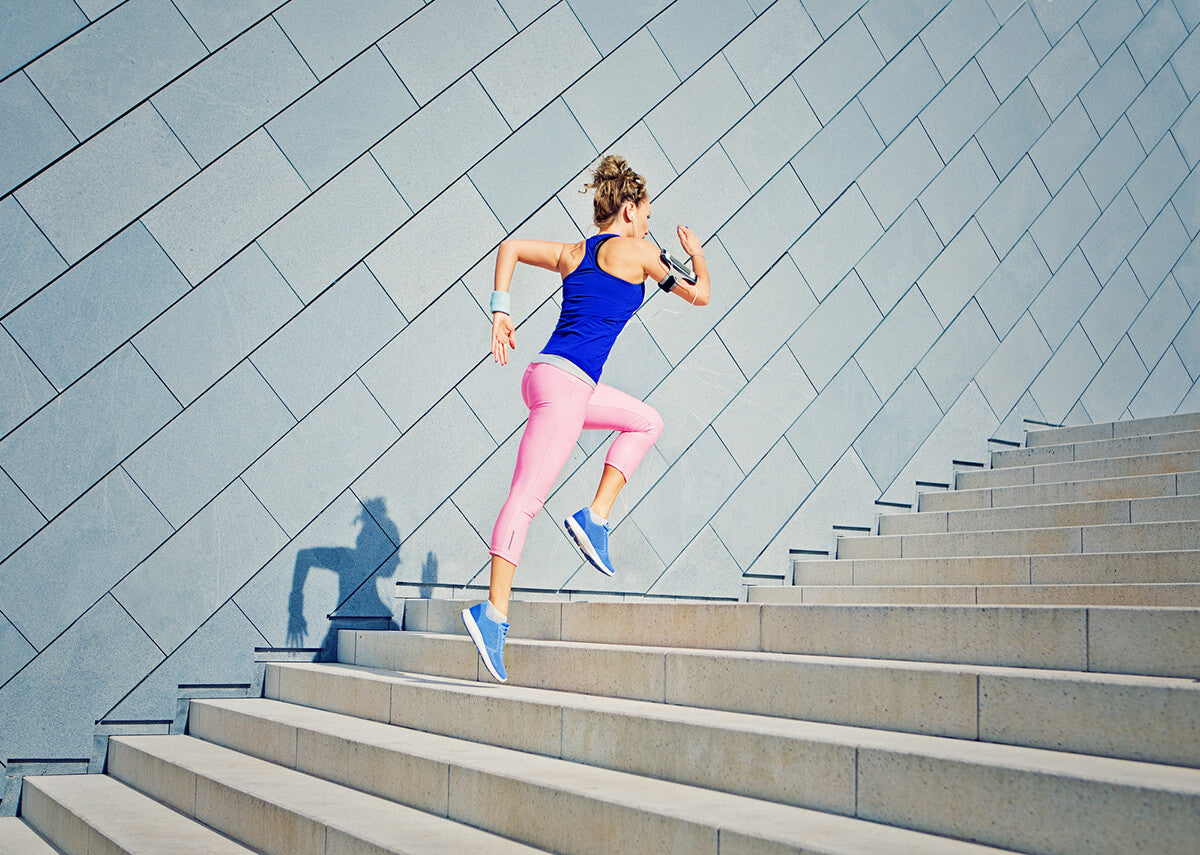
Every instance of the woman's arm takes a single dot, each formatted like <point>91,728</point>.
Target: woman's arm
<point>539,253</point>
<point>698,294</point>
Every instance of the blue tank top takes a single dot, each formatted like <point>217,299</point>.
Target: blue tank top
<point>596,306</point>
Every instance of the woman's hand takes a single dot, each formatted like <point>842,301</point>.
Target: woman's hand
<point>688,240</point>
<point>502,337</point>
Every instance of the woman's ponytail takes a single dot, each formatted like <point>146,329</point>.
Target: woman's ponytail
<point>615,184</point>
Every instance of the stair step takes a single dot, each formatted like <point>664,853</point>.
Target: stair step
<point>932,698</point>
<point>1171,595</point>
<point>1132,487</point>
<point>805,764</point>
<point>1083,470</point>
<point>1110,430</point>
<point>84,814</point>
<point>1098,449</point>
<point>278,810</point>
<point>1069,569</point>
<point>545,802</point>
<point>17,837</point>
<point>1110,512</point>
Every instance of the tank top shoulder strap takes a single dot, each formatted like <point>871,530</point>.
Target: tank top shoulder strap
<point>592,246</point>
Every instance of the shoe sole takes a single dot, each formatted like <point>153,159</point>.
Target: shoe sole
<point>473,630</point>
<point>585,546</point>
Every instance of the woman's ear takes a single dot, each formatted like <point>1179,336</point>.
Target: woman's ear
<point>629,212</point>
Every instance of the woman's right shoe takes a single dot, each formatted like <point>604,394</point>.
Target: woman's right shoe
<point>488,636</point>
<point>591,538</point>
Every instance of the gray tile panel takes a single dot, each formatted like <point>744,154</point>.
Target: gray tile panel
<point>1156,180</point>
<point>958,191</point>
<point>828,15</point>
<point>1008,373</point>
<point>686,498</point>
<point>95,9</point>
<point>1187,203</point>
<point>838,69</point>
<point>902,89</point>
<point>1107,24</point>
<point>1062,302</point>
<point>68,565</point>
<point>957,33</point>
<point>958,272</point>
<point>1064,221</point>
<point>327,34</point>
<point>19,519</point>
<point>83,433</point>
<point>1163,390</point>
<point>769,49</point>
<point>698,112</point>
<point>1157,36</point>
<point>957,355</point>
<point>1109,93</point>
<point>72,687</point>
<point>524,12</point>
<point>460,222</point>
<point>835,243</point>
<point>1114,386</point>
<point>959,110</point>
<point>1187,344</point>
<point>833,420</point>
<point>23,388</point>
<point>834,331</point>
<point>111,180</point>
<point>770,134</point>
<point>430,356</point>
<point>899,257</point>
<point>193,574</point>
<point>1013,129</point>
<point>1058,16</point>
<point>234,91</point>
<point>1007,213</point>
<point>427,61</point>
<point>892,25</point>
<point>1156,109</point>
<point>225,207</point>
<point>894,347</point>
<point>321,456</point>
<point>537,64</point>
<point>691,31</point>
<point>15,651</point>
<point>112,65</point>
<point>31,134</point>
<point>327,342</point>
<point>1187,273</point>
<point>766,316</point>
<point>1113,162</point>
<point>445,550</point>
<point>427,464</point>
<point>1062,148</point>
<point>904,169</point>
<point>1159,322</point>
<point>27,260</point>
<point>1065,376</point>
<point>1113,235</point>
<point>1012,53</point>
<point>702,569</point>
<point>610,22</point>
<point>1011,288</point>
<point>335,228</point>
<point>342,117</point>
<point>1158,250</point>
<point>1186,63</point>
<point>209,444</point>
<point>703,198</point>
<point>764,409</point>
<point>606,112</point>
<point>97,306</point>
<point>692,395</point>
<point>218,23</point>
<point>25,36</point>
<point>438,144</point>
<point>1189,10</point>
<point>763,229</point>
<point>1113,310</point>
<point>897,431</point>
<point>837,155</point>
<point>218,323</point>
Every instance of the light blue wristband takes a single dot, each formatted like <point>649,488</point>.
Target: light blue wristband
<point>502,302</point>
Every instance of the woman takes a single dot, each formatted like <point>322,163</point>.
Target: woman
<point>603,285</point>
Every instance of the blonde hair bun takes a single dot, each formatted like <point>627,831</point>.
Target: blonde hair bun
<point>615,184</point>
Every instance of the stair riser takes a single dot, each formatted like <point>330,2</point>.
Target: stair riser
<point>65,830</point>
<point>1171,509</point>
<point>1134,487</point>
<point>1185,596</point>
<point>1110,430</point>
<point>1087,470</point>
<point>18,837</point>
<point>1096,450</point>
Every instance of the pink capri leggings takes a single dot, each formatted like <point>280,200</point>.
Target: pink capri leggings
<point>560,406</point>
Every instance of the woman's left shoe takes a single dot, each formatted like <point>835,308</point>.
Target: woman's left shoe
<point>591,538</point>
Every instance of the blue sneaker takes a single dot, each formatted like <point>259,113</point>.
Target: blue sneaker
<point>488,636</point>
<point>592,540</point>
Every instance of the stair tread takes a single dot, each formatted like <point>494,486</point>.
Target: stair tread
<point>704,808</point>
<point>1133,505</point>
<point>17,837</point>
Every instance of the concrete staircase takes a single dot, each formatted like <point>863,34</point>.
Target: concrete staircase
<point>1022,711</point>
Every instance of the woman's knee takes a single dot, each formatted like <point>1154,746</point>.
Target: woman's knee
<point>656,424</point>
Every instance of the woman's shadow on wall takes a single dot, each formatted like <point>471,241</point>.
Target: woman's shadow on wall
<point>374,556</point>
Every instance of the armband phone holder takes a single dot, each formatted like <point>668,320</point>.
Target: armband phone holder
<point>676,270</point>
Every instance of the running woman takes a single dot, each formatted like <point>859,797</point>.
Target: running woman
<point>603,285</point>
